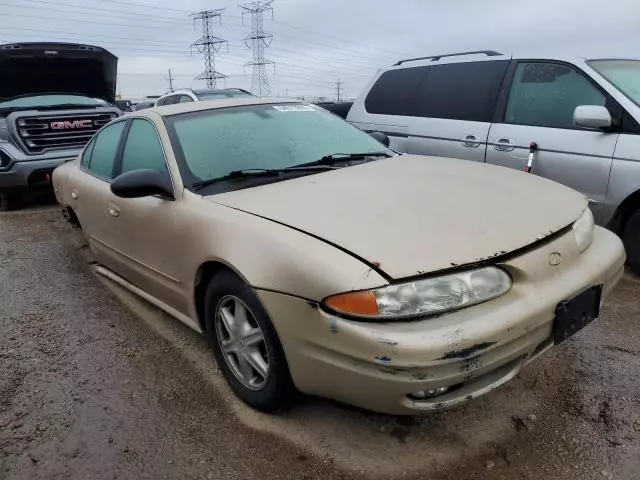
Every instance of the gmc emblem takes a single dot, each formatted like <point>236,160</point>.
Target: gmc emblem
<point>67,124</point>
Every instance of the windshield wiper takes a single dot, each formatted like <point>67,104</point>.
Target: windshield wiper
<point>341,157</point>
<point>257,172</point>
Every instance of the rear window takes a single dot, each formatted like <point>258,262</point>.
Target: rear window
<point>223,94</point>
<point>458,91</point>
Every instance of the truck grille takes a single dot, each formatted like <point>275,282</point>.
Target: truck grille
<point>57,132</point>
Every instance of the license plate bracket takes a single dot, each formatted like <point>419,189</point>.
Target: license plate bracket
<point>574,314</point>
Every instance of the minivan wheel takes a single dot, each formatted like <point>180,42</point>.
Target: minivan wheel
<point>631,239</point>
<point>10,201</point>
<point>246,346</point>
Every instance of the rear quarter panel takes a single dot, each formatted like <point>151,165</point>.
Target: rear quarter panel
<point>61,180</point>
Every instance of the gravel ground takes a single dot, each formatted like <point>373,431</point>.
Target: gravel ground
<point>95,383</point>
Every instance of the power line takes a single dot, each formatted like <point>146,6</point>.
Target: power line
<point>323,68</point>
<point>138,26</point>
<point>353,58</point>
<point>340,40</point>
<point>118,12</point>
<point>259,40</point>
<point>155,7</point>
<point>209,44</point>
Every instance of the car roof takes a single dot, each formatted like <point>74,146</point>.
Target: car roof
<point>489,55</point>
<point>178,108</point>
<point>217,90</point>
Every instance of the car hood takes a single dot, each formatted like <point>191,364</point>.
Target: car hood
<point>410,215</point>
<point>37,68</point>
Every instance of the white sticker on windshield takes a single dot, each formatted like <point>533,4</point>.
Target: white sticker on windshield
<point>294,108</point>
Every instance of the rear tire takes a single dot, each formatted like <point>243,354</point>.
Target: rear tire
<point>236,319</point>
<point>631,239</point>
<point>10,201</point>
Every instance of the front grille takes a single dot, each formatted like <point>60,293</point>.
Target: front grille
<point>58,132</point>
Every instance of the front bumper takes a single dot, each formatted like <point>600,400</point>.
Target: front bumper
<point>377,365</point>
<point>30,173</point>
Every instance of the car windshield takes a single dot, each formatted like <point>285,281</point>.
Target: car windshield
<point>212,143</point>
<point>223,94</point>
<point>622,74</point>
<point>50,100</point>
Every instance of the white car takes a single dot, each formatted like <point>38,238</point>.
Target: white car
<point>188,95</point>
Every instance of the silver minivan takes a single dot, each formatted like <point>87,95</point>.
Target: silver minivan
<point>583,115</point>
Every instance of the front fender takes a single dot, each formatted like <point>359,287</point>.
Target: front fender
<point>271,256</point>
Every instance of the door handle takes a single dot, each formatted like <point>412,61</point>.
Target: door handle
<point>114,210</point>
<point>470,141</point>
<point>504,145</point>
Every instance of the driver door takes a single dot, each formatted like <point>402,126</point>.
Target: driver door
<point>147,232</point>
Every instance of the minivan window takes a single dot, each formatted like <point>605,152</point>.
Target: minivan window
<point>461,91</point>
<point>457,91</point>
<point>622,74</point>
<point>395,91</point>
<point>546,95</point>
<point>105,148</point>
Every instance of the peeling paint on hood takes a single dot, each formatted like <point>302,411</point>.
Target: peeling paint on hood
<point>415,214</point>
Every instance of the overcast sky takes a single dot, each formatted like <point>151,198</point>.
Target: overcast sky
<point>316,42</point>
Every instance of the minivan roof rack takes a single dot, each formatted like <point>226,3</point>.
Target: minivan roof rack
<point>435,58</point>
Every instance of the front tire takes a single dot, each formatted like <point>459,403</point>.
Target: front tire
<point>10,201</point>
<point>631,239</point>
<point>246,346</point>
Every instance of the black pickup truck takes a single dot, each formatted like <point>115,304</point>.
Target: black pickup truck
<point>53,98</point>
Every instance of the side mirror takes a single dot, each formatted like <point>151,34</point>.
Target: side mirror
<point>142,183</point>
<point>381,137</point>
<point>592,116</point>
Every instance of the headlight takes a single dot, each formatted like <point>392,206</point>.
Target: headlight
<point>583,230</point>
<point>426,297</point>
<point>4,130</point>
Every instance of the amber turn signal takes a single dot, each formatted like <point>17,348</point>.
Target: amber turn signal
<point>354,303</point>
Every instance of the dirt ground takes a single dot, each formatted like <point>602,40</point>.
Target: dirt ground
<point>97,384</point>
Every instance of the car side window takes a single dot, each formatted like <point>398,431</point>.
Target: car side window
<point>142,148</point>
<point>185,99</point>
<point>171,99</point>
<point>545,94</point>
<point>86,155</point>
<point>104,151</point>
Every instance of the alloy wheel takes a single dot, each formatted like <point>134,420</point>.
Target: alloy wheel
<point>242,342</point>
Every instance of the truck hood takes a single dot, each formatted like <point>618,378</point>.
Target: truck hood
<point>411,214</point>
<point>37,68</point>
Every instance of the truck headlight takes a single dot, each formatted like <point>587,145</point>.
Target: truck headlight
<point>583,229</point>
<point>420,298</point>
<point>4,130</point>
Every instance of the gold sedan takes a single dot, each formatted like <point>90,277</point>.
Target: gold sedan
<point>316,259</point>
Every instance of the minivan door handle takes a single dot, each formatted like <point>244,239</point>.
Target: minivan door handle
<point>470,141</point>
<point>504,145</point>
